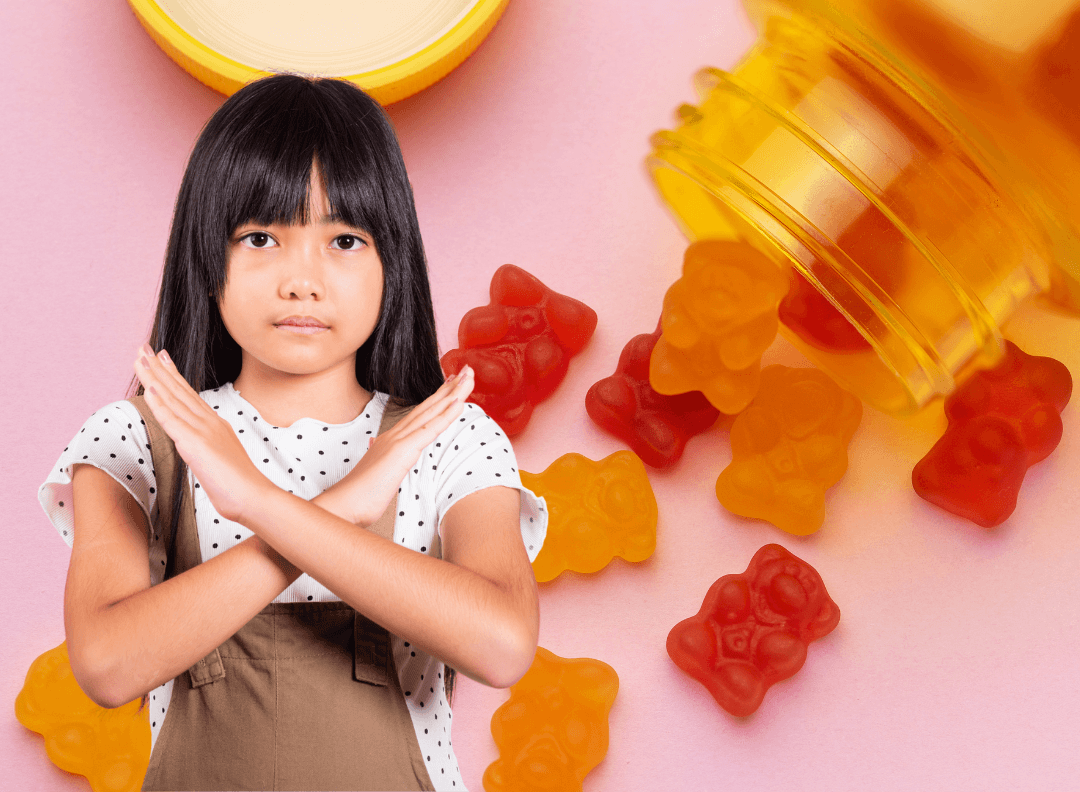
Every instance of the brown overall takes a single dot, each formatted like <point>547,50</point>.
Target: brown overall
<point>305,696</point>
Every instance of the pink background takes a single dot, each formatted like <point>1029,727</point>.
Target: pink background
<point>955,662</point>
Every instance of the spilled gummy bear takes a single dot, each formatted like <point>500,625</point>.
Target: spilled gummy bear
<point>718,319</point>
<point>596,511</point>
<point>1001,422</point>
<point>655,426</point>
<point>111,747</point>
<point>554,728</point>
<point>788,447</point>
<point>753,629</point>
<point>519,345</point>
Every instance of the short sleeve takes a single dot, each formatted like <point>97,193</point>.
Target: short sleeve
<point>113,439</point>
<point>473,454</point>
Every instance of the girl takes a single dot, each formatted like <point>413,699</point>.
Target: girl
<point>314,567</point>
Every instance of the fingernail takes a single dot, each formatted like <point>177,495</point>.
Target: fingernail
<point>164,356</point>
<point>466,370</point>
<point>142,360</point>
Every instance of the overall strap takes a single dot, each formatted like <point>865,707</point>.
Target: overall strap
<point>182,547</point>
<point>163,460</point>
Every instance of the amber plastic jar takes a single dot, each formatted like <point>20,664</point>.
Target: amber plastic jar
<point>902,198</point>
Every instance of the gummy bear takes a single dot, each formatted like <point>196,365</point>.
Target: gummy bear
<point>807,313</point>
<point>788,447</point>
<point>655,426</point>
<point>553,730</point>
<point>111,747</point>
<point>753,629</point>
<point>519,345</point>
<point>876,247</point>
<point>718,319</point>
<point>596,510</point>
<point>1001,421</point>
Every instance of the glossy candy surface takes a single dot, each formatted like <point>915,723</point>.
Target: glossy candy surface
<point>876,246</point>
<point>655,426</point>
<point>596,511</point>
<point>753,629</point>
<point>554,728</point>
<point>808,313</point>
<point>111,747</point>
<point>519,345</point>
<point>1001,421</point>
<point>788,447</point>
<point>717,320</point>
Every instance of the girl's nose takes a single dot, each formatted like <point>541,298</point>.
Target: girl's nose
<point>302,278</point>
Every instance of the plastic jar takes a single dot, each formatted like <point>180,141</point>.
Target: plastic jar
<point>889,153</point>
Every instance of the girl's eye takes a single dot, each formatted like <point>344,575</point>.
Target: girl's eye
<point>257,239</point>
<point>347,242</point>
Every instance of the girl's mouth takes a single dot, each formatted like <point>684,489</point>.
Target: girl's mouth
<point>301,324</point>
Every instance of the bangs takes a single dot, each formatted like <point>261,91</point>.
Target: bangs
<point>266,173</point>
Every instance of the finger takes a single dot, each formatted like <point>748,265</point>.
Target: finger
<point>147,376</point>
<point>173,381</point>
<point>431,423</point>
<point>182,389</point>
<point>455,389</point>
<point>167,391</point>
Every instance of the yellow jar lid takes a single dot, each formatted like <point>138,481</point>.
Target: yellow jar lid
<point>390,49</point>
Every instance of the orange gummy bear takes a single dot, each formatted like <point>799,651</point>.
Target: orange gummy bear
<point>111,747</point>
<point>718,319</point>
<point>788,447</point>
<point>597,510</point>
<point>554,728</point>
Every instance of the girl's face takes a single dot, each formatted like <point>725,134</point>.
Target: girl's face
<point>301,299</point>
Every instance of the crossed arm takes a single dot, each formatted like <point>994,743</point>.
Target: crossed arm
<point>476,609</point>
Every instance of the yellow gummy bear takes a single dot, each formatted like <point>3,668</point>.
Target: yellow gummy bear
<point>111,747</point>
<point>554,728</point>
<point>718,319</point>
<point>788,447</point>
<point>597,510</point>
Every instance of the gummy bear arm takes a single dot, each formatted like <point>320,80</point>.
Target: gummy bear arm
<point>126,638</point>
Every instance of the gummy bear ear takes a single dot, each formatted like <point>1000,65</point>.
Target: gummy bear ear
<point>768,553</point>
<point>514,286</point>
<point>486,324</point>
<point>593,682</point>
<point>1051,381</point>
<point>827,618</point>
<point>573,321</point>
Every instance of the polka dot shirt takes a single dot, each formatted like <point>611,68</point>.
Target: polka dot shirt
<point>307,458</point>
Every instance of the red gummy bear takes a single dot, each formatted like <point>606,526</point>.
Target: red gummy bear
<point>753,629</point>
<point>877,247</point>
<point>1001,421</point>
<point>655,426</point>
<point>519,345</point>
<point>808,313</point>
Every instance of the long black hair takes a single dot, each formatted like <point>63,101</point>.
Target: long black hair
<point>253,163</point>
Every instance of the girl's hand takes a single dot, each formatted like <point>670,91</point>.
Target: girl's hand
<point>363,495</point>
<point>204,440</point>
